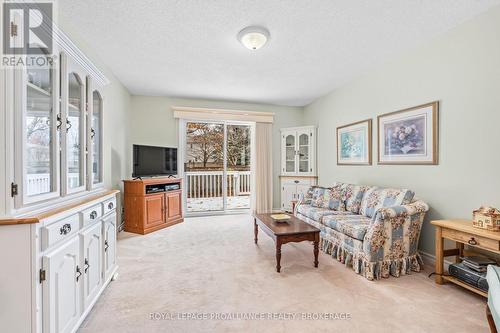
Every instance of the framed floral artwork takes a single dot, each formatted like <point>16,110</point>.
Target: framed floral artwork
<point>354,143</point>
<point>409,136</point>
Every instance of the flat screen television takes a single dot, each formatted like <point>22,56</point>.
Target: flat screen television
<point>150,161</point>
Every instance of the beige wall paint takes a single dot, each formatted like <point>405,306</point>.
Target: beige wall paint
<point>461,69</point>
<point>153,123</point>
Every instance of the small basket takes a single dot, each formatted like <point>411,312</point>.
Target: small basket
<point>487,218</point>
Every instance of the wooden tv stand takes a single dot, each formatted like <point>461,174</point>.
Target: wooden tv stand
<point>150,205</point>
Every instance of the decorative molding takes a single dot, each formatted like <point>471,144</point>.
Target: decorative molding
<point>222,114</point>
<point>78,56</point>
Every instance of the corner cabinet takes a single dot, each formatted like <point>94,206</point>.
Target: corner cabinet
<point>298,163</point>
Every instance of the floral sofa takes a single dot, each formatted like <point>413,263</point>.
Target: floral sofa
<point>374,230</point>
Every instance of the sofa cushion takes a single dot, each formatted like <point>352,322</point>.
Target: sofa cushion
<point>316,213</point>
<point>352,225</point>
<point>375,198</point>
<point>353,195</point>
<point>333,198</point>
<point>318,196</point>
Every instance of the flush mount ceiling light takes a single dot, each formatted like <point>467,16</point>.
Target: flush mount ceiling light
<point>253,38</point>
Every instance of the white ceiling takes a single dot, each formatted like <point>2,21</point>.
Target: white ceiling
<point>188,48</point>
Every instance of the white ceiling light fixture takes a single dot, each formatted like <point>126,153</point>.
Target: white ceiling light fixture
<point>253,38</point>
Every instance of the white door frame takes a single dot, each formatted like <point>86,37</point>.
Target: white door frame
<point>182,156</point>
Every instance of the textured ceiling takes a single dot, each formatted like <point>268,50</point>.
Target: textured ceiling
<point>188,48</point>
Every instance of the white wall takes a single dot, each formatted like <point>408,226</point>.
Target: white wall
<point>152,122</point>
<point>461,69</point>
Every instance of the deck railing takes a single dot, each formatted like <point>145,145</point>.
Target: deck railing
<point>207,184</point>
<point>38,183</point>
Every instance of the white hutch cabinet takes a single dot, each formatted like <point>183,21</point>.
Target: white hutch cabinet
<point>298,163</point>
<point>57,222</point>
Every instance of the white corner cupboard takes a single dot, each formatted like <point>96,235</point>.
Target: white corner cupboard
<point>298,163</point>
<point>57,223</point>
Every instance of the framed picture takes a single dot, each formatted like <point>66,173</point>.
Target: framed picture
<point>354,143</point>
<point>409,136</point>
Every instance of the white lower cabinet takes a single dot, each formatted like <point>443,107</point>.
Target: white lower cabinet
<point>109,232</point>
<point>92,258</point>
<point>77,261</point>
<point>292,188</point>
<point>61,291</point>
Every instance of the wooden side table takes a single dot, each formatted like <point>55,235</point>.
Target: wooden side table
<point>462,232</point>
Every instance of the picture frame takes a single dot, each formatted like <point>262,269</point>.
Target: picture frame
<point>354,143</point>
<point>409,136</point>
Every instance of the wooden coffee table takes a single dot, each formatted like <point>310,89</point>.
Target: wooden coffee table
<point>293,230</point>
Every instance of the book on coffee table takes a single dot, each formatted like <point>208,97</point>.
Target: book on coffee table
<point>280,217</point>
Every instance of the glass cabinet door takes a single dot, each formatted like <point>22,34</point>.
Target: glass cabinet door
<point>39,136</point>
<point>75,134</point>
<point>304,152</point>
<point>290,153</point>
<point>95,138</point>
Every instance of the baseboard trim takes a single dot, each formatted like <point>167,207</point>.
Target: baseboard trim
<point>430,260</point>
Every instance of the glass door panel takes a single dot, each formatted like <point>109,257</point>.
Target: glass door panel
<point>238,166</point>
<point>38,137</point>
<point>304,152</point>
<point>74,132</point>
<point>290,153</point>
<point>204,167</point>
<point>95,135</point>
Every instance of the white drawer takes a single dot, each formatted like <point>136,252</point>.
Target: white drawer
<point>109,206</point>
<point>299,181</point>
<point>91,215</point>
<point>60,230</point>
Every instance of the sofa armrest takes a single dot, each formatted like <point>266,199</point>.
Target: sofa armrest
<point>394,232</point>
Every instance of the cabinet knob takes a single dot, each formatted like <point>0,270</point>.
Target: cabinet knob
<point>110,205</point>
<point>296,181</point>
<point>93,215</point>
<point>106,245</point>
<point>65,229</point>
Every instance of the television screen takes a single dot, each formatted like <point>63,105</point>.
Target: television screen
<point>154,161</point>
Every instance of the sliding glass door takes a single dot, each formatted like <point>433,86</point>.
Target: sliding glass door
<point>217,166</point>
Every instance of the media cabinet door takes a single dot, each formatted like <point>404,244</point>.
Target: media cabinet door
<point>155,210</point>
<point>174,210</point>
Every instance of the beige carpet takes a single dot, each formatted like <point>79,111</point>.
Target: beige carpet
<point>210,266</point>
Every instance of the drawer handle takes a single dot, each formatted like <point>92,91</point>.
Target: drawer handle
<point>93,215</point>
<point>106,245</point>
<point>86,266</point>
<point>296,181</point>
<point>110,205</point>
<point>65,229</point>
<point>472,241</point>
<point>78,272</point>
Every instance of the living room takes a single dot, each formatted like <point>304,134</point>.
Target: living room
<point>250,166</point>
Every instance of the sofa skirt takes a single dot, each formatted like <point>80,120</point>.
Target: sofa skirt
<point>350,252</point>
